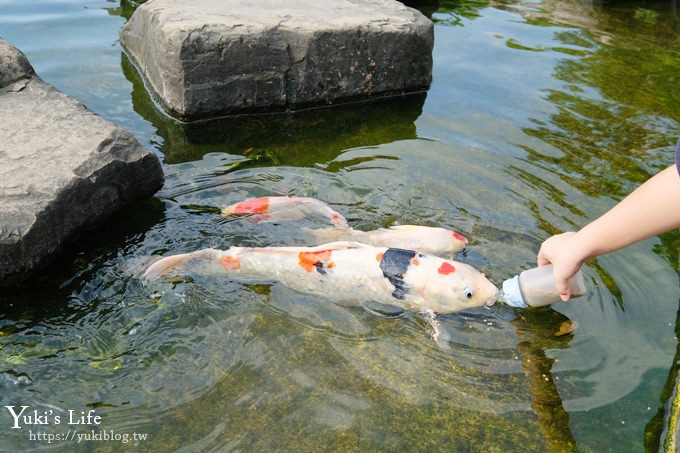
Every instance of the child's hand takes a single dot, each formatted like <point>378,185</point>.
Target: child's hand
<point>562,252</point>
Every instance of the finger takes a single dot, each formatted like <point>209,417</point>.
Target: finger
<point>541,260</point>
<point>563,290</point>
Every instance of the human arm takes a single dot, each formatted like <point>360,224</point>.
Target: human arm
<point>651,209</point>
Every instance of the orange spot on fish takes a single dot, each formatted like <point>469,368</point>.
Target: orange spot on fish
<point>415,261</point>
<point>446,268</point>
<point>379,257</point>
<point>230,263</point>
<point>254,206</point>
<point>309,260</point>
<point>459,237</point>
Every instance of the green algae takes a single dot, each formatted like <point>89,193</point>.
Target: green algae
<point>321,407</point>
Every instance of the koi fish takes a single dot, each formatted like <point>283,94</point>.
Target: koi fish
<point>411,237</point>
<point>273,209</point>
<point>347,272</point>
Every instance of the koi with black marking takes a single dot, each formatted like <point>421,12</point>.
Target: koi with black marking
<point>346,272</point>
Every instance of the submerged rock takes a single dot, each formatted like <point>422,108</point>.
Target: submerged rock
<point>209,57</point>
<point>63,170</point>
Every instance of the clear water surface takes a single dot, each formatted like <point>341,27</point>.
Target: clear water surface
<point>541,115</point>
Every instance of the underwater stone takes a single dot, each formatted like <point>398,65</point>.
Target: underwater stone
<point>210,57</point>
<point>64,169</point>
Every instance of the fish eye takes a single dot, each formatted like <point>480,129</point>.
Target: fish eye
<point>469,292</point>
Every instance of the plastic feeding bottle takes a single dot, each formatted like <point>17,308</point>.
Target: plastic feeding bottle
<point>536,288</point>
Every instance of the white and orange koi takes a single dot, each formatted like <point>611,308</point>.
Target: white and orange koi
<point>347,272</point>
<point>411,237</point>
<point>275,209</point>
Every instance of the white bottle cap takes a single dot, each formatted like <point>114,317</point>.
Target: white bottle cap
<point>512,295</point>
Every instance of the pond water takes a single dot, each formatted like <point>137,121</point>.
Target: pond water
<point>541,116</point>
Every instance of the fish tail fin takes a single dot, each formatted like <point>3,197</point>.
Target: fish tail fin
<point>171,263</point>
<point>164,266</point>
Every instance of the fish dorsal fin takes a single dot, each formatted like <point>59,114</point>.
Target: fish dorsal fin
<point>403,227</point>
<point>337,245</point>
<point>342,245</point>
<point>330,246</point>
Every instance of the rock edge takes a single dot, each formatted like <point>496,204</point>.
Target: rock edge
<point>64,169</point>
<point>213,57</point>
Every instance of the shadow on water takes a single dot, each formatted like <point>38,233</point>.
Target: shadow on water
<point>326,382</point>
<point>538,332</point>
<point>299,138</point>
<point>43,295</point>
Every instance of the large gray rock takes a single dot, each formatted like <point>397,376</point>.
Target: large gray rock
<point>63,169</point>
<point>210,57</point>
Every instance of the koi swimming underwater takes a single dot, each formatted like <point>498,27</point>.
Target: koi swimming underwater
<point>277,209</point>
<point>346,272</point>
<point>426,239</point>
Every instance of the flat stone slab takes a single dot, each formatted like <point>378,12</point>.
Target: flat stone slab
<point>63,169</point>
<point>205,58</point>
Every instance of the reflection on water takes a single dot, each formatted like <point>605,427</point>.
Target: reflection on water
<point>555,332</point>
<point>540,117</point>
<point>304,138</point>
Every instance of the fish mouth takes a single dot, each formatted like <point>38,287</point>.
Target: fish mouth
<point>492,299</point>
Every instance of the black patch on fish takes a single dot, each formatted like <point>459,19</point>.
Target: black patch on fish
<point>320,267</point>
<point>394,264</point>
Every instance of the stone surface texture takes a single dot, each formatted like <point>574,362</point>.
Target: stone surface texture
<point>204,58</point>
<point>63,169</point>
